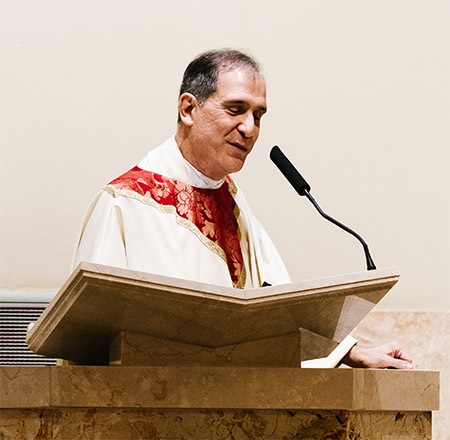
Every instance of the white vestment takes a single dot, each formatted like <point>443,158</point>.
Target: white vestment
<point>127,230</point>
<point>133,231</point>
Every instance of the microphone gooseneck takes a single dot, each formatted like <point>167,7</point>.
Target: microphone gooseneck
<point>302,187</point>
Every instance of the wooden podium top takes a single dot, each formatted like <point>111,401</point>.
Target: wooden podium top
<point>97,302</point>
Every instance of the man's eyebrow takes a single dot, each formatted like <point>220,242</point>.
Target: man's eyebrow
<point>243,102</point>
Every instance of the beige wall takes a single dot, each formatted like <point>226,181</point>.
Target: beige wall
<point>358,97</point>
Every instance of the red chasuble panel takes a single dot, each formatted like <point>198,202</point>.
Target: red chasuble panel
<point>212,211</point>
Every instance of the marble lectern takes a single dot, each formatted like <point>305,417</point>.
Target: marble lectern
<point>106,315</point>
<point>152,357</point>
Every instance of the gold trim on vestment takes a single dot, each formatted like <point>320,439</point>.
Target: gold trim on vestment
<point>242,277</point>
<point>232,188</point>
<point>170,209</point>
<point>236,211</point>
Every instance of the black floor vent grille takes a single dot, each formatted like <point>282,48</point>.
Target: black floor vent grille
<point>13,331</point>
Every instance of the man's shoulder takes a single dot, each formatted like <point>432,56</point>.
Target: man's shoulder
<point>139,183</point>
<point>132,179</point>
<point>142,181</point>
<point>161,154</point>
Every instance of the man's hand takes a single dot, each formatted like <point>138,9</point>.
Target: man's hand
<point>385,356</point>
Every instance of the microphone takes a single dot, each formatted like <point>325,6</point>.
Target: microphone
<point>302,187</point>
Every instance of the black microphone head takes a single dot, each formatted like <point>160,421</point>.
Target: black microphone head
<point>288,170</point>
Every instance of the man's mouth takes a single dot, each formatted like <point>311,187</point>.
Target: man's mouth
<point>238,145</point>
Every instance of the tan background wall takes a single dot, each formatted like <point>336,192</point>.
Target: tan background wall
<point>358,99</point>
<point>426,337</point>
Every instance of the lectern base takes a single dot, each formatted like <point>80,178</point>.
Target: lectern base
<point>127,424</point>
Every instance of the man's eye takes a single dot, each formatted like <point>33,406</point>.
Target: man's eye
<point>234,110</point>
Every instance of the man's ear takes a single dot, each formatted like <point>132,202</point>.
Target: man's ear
<point>187,103</point>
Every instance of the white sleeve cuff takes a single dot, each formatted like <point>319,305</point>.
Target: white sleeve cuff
<point>333,359</point>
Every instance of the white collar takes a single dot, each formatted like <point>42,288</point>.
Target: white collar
<point>199,179</point>
<point>168,161</point>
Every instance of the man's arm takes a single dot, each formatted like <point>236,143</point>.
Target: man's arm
<point>102,237</point>
<point>385,356</point>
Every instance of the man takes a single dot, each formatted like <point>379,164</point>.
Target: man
<point>179,214</point>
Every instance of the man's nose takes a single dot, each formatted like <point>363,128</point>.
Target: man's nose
<point>247,125</point>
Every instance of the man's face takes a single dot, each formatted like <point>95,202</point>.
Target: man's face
<point>226,126</point>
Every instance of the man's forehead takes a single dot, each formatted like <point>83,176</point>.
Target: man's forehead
<point>239,74</point>
<point>240,85</point>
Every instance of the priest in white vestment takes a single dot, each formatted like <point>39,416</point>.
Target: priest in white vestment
<point>178,212</point>
<point>166,217</point>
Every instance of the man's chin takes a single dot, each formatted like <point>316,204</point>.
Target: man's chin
<point>236,166</point>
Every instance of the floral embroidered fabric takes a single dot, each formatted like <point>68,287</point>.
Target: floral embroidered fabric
<point>212,211</point>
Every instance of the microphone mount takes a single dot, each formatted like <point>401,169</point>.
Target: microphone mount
<point>303,188</point>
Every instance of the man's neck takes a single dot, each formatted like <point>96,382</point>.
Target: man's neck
<point>186,151</point>
<point>198,174</point>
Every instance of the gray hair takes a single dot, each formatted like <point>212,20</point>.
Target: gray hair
<point>200,76</point>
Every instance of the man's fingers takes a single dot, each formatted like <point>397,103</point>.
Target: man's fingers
<point>404,356</point>
<point>398,353</point>
<point>385,356</point>
<point>400,364</point>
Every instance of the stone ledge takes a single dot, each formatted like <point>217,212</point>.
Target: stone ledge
<point>225,388</point>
